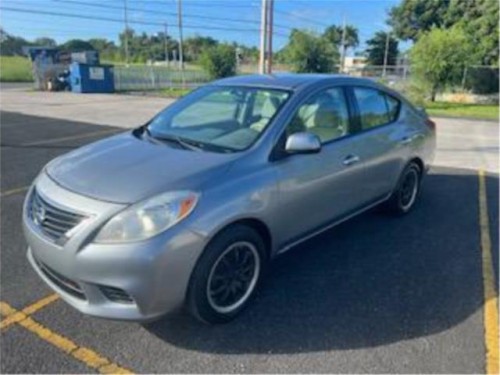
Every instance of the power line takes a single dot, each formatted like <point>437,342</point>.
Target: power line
<point>300,17</point>
<point>107,19</point>
<point>202,4</point>
<point>105,6</point>
<point>71,15</point>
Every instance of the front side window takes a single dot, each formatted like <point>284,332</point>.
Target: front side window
<point>324,114</point>
<point>375,107</point>
<point>231,118</point>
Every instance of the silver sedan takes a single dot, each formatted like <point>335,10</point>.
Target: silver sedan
<point>189,209</point>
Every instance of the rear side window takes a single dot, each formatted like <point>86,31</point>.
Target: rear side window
<point>375,107</point>
<point>324,114</point>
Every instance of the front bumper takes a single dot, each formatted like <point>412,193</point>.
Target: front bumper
<point>153,274</point>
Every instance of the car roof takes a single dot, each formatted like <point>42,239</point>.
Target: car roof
<point>289,81</point>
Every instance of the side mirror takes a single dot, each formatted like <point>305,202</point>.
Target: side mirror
<point>303,143</point>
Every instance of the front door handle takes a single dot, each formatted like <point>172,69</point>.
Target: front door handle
<point>406,140</point>
<point>350,159</point>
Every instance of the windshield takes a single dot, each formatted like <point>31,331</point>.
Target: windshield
<point>229,118</point>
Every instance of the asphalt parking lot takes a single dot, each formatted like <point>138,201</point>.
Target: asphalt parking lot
<point>376,294</point>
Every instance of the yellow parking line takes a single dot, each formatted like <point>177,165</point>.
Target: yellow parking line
<point>70,138</point>
<point>17,316</point>
<point>491,332</point>
<point>85,355</point>
<point>14,191</point>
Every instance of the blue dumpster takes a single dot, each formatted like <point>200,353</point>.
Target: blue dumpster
<point>86,78</point>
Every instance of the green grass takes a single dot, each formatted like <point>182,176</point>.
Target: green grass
<point>15,69</point>
<point>479,111</point>
<point>174,92</point>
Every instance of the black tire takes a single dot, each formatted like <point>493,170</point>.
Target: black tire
<point>232,243</point>
<point>405,195</point>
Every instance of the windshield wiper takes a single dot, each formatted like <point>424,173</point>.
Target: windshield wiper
<point>188,143</point>
<point>184,143</point>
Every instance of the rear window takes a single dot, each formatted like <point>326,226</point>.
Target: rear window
<point>375,107</point>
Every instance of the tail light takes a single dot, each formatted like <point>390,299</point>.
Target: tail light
<point>431,124</point>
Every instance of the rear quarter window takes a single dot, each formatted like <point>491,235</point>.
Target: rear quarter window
<point>393,107</point>
<point>376,108</point>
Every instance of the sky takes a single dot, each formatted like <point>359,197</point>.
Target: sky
<point>238,20</point>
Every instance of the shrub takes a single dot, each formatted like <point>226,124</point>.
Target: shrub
<point>219,61</point>
<point>439,58</point>
<point>311,53</point>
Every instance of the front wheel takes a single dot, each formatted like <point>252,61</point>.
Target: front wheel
<point>227,275</point>
<point>405,195</point>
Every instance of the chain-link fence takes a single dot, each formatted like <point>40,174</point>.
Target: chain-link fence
<point>151,77</point>
<point>476,79</point>
<point>480,79</point>
<point>390,73</point>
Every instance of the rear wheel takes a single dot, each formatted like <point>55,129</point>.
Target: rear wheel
<point>404,197</point>
<point>227,275</point>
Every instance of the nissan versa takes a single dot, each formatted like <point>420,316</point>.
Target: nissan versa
<point>188,209</point>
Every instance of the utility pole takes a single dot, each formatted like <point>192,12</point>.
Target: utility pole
<point>342,47</point>
<point>237,51</point>
<point>270,11</point>
<point>165,42</point>
<point>386,53</point>
<point>181,53</point>
<point>179,16</point>
<point>125,14</point>
<point>263,39</point>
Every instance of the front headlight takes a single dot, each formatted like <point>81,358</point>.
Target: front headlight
<point>148,218</point>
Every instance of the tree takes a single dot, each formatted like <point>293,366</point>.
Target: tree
<point>479,19</point>
<point>334,35</point>
<point>412,17</point>
<point>376,49</point>
<point>248,54</point>
<point>439,57</point>
<point>107,49</point>
<point>77,45</point>
<point>194,46</point>
<point>45,42</point>
<point>11,45</point>
<point>310,53</point>
<point>219,61</point>
<point>143,47</point>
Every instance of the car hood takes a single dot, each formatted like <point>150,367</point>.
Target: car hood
<point>126,169</point>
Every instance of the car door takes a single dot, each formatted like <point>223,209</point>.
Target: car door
<point>316,189</point>
<point>383,139</point>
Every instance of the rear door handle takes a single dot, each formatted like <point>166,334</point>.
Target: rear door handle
<point>350,159</point>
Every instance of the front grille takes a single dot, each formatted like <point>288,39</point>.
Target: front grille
<point>116,294</point>
<point>54,222</point>
<point>66,284</point>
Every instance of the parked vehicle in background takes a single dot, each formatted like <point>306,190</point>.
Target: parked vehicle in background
<point>189,209</point>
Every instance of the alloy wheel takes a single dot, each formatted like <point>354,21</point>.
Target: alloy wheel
<point>233,277</point>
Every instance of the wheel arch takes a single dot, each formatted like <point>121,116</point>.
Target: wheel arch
<point>259,226</point>
<point>420,164</point>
